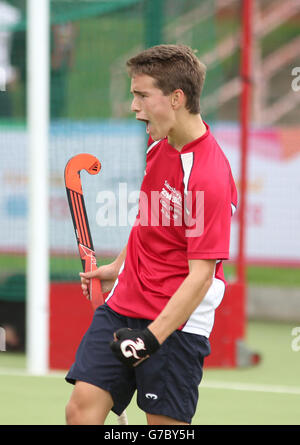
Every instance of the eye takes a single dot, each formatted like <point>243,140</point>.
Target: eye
<point>141,94</point>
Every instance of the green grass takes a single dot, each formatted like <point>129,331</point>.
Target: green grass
<point>29,400</point>
<point>280,366</point>
<point>264,275</point>
<point>268,275</point>
<point>59,265</point>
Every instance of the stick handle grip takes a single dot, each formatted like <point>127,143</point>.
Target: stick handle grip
<point>95,292</point>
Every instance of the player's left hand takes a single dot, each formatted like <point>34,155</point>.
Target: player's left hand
<point>133,346</point>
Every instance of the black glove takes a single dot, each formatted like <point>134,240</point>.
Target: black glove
<point>133,345</point>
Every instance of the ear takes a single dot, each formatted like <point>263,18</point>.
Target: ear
<point>177,99</point>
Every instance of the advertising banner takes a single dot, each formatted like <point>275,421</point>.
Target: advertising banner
<point>273,210</point>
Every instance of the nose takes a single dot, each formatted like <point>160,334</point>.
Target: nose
<point>134,105</point>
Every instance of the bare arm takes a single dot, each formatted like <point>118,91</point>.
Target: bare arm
<point>185,300</point>
<point>120,259</point>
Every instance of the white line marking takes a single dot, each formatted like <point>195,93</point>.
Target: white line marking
<point>251,387</point>
<point>212,384</point>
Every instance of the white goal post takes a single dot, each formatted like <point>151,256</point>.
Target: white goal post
<point>37,274</point>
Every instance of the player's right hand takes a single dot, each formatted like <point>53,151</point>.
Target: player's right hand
<point>106,274</point>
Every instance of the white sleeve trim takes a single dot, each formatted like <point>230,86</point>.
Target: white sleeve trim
<point>187,160</point>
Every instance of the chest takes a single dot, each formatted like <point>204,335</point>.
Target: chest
<point>162,191</point>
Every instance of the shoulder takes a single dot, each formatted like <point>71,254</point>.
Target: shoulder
<point>210,165</point>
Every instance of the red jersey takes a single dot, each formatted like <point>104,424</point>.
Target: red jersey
<point>185,208</point>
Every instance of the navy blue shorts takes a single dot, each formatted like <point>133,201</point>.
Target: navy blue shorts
<point>166,383</point>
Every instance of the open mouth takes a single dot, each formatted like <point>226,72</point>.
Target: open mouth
<point>147,124</point>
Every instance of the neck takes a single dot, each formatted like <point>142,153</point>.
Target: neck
<point>188,129</point>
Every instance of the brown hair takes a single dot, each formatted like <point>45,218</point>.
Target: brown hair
<point>172,67</point>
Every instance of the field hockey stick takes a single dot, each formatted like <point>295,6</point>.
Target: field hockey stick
<point>80,221</point>
<point>81,226</point>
